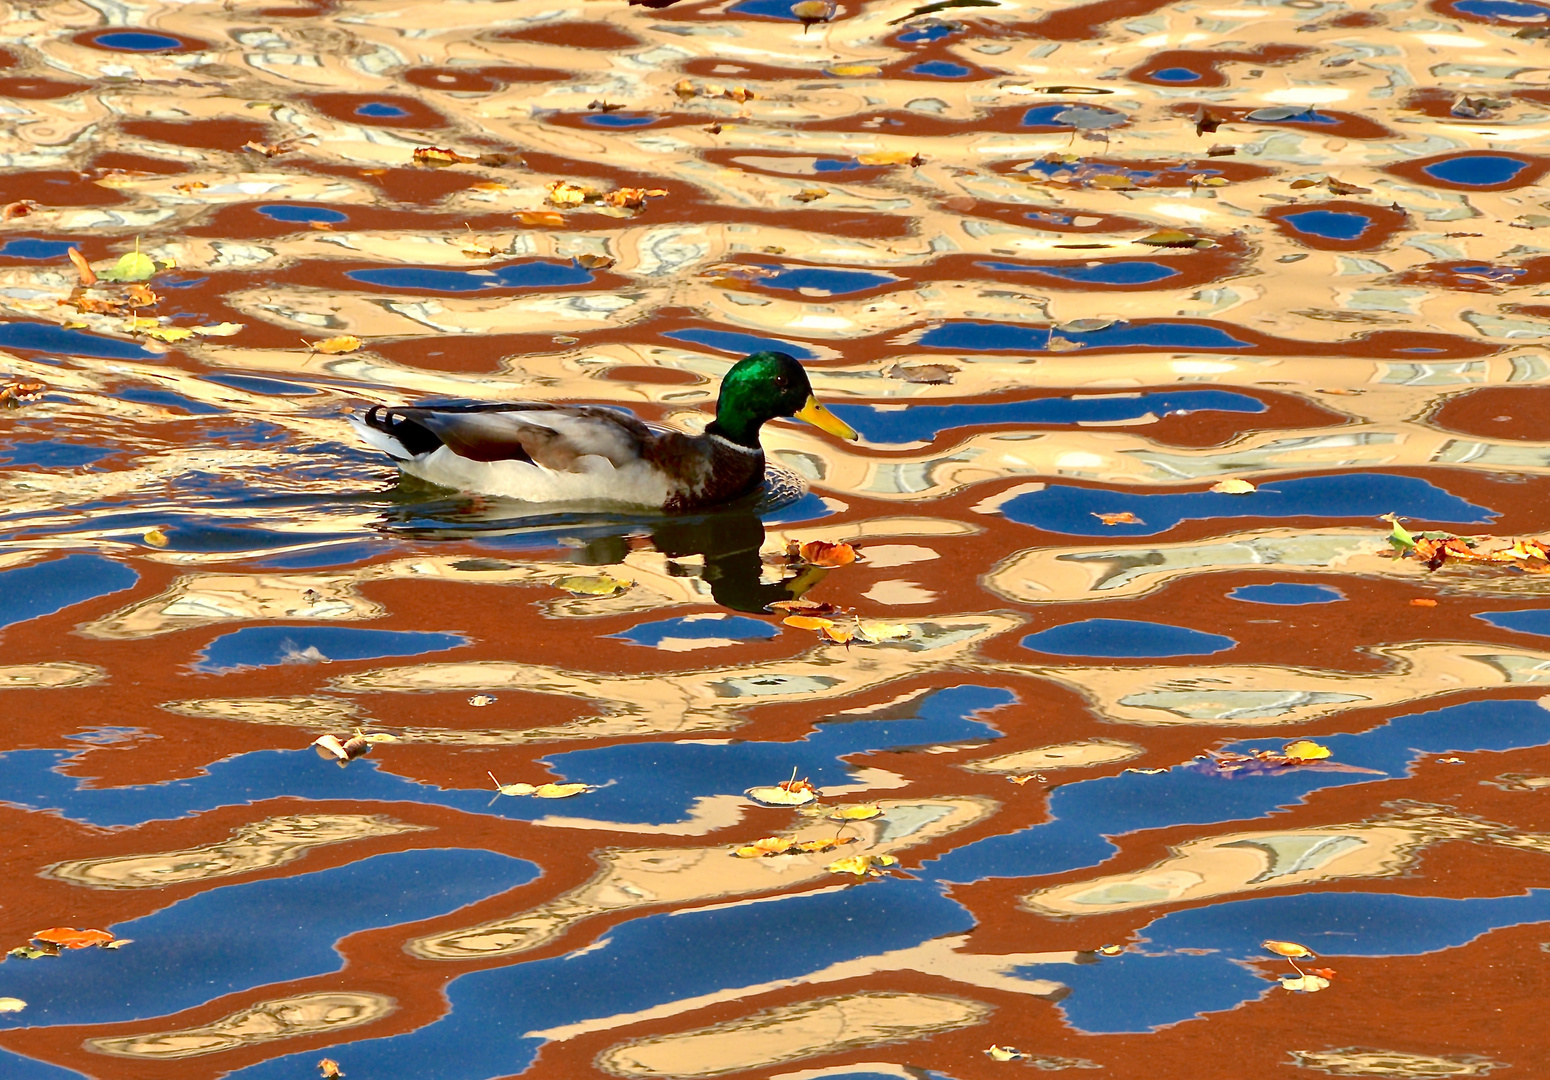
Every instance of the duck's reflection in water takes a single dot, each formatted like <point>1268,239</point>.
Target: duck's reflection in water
<point>729,539</point>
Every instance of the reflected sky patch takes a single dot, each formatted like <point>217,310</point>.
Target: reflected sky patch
<point>1007,337</point>
<point>46,337</point>
<point>270,646</point>
<point>1127,638</point>
<point>1128,272</point>
<point>32,591</point>
<point>922,423</point>
<point>698,628</point>
<point>1329,224</point>
<point>836,282</point>
<point>534,274</point>
<point>1072,510</point>
<point>1287,594</point>
<point>729,341</point>
<point>1476,170</point>
<point>254,934</point>
<point>302,214</point>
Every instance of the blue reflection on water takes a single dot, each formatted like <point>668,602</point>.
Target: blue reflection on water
<point>30,592</point>
<point>1524,621</point>
<point>381,110</point>
<point>941,69</point>
<point>47,337</point>
<point>136,41</point>
<point>31,248</point>
<point>837,282</point>
<point>730,341</point>
<point>922,423</point>
<point>234,937</point>
<point>531,274</point>
<point>931,32</point>
<point>734,627</point>
<point>1072,510</point>
<point>986,336</point>
<point>644,963</point>
<point>1287,594</point>
<point>1177,75</point>
<point>620,119</point>
<point>1502,9</point>
<point>16,1067</point>
<point>53,455</point>
<point>1140,992</point>
<point>1330,224</point>
<point>1133,638</point>
<point>301,213</point>
<point>652,783</point>
<point>268,646</point>
<point>1085,814</point>
<point>1476,170</point>
<point>1116,272</point>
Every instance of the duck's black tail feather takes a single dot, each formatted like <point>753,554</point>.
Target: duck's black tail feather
<point>396,433</point>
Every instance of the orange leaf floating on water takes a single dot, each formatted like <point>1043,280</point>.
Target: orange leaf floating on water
<point>329,1069</point>
<point>567,196</point>
<point>436,157</point>
<point>344,751</point>
<point>632,198</point>
<point>540,217</point>
<point>807,622</point>
<point>13,394</point>
<point>1422,601</point>
<point>68,937</point>
<point>1124,517</point>
<point>837,635</point>
<point>808,607</point>
<point>1289,949</point>
<point>791,792</point>
<point>823,553</point>
<point>337,346</point>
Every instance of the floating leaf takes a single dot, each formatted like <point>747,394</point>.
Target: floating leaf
<point>862,865</point>
<point>593,585</point>
<point>329,1069</point>
<point>876,630</point>
<point>1289,949</point>
<point>1124,517</point>
<point>341,751</point>
<point>888,157</point>
<point>167,333</point>
<point>1110,950</point>
<point>1307,984</point>
<point>1174,238</point>
<point>436,157</point>
<point>479,701</point>
<point>11,1005</point>
<point>856,813</point>
<point>595,262</point>
<point>809,607</point>
<point>823,553</point>
<point>1003,1053</point>
<point>807,195</point>
<point>1303,750</point>
<point>131,266</point>
<point>1423,601</point>
<point>837,635</point>
<point>220,329</point>
<point>849,71</point>
<point>781,795</point>
<point>809,12</point>
<point>68,937</point>
<point>82,267</point>
<point>928,374</point>
<point>14,394</point>
<point>807,622</point>
<point>32,952</point>
<point>540,217</point>
<point>512,789</point>
<point>632,198</point>
<point>558,791</point>
<point>1272,113</point>
<point>156,537</point>
<point>337,346</point>
<point>1399,536</point>
<point>1233,487</point>
<point>567,196</point>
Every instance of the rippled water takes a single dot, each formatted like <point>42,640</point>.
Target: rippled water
<point>945,214</point>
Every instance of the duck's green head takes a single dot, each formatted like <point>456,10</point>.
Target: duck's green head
<point>766,385</point>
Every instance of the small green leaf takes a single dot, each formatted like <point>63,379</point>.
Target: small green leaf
<point>132,266</point>
<point>1399,536</point>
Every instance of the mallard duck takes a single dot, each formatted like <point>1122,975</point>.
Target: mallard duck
<point>543,453</point>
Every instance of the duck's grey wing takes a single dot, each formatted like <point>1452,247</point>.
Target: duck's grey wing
<point>551,436</point>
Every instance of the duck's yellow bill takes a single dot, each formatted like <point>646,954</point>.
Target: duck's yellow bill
<point>821,418</point>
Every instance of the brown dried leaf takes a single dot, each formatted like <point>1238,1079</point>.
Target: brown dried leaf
<point>1124,517</point>
<point>82,267</point>
<point>807,195</point>
<point>337,346</point>
<point>823,553</point>
<point>19,208</point>
<point>436,157</point>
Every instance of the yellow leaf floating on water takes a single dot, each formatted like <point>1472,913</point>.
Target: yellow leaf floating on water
<point>1003,1053</point>
<point>855,813</point>
<point>567,195</point>
<point>810,194</point>
<point>168,333</point>
<point>1303,750</point>
<point>807,622</point>
<point>558,791</point>
<point>1307,984</point>
<point>792,792</point>
<point>337,346</point>
<point>887,157</point>
<point>1289,949</point>
<point>593,585</point>
<point>220,329</point>
<point>329,1069</point>
<point>876,630</point>
<point>862,865</point>
<point>11,1005</point>
<point>1174,238</point>
<point>156,537</point>
<point>1233,487</point>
